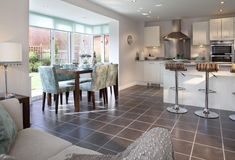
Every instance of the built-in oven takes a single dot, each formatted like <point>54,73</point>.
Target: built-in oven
<point>222,51</point>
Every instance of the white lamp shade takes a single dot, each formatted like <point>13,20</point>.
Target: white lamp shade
<point>10,52</point>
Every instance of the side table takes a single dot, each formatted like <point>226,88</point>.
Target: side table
<point>24,100</point>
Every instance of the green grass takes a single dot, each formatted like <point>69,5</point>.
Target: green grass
<point>35,80</point>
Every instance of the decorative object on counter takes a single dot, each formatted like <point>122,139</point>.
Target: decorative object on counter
<point>232,70</point>
<point>152,57</point>
<point>137,56</point>
<point>176,67</point>
<point>85,58</point>
<point>130,40</point>
<point>10,54</point>
<point>207,68</point>
<point>142,56</point>
<point>94,60</point>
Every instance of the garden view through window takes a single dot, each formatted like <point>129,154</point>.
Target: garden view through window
<point>48,47</point>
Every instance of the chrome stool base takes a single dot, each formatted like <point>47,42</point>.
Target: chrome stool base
<point>232,117</point>
<point>177,109</point>
<point>206,114</point>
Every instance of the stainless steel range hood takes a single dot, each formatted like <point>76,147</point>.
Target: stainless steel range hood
<point>176,32</point>
<point>176,43</point>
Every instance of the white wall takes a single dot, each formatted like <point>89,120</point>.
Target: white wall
<point>14,28</point>
<point>126,53</point>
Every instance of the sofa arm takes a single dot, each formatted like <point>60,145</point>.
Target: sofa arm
<point>15,109</point>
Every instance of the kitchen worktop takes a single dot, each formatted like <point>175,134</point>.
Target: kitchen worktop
<point>189,62</point>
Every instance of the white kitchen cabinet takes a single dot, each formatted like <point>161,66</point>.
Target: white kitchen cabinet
<point>152,36</point>
<point>215,29</point>
<point>227,28</point>
<point>201,33</point>
<point>221,29</point>
<point>140,71</point>
<point>150,74</point>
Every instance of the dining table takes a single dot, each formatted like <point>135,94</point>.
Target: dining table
<point>77,72</point>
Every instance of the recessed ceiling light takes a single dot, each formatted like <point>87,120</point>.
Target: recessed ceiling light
<point>222,2</point>
<point>158,5</point>
<point>132,1</point>
<point>221,10</point>
<point>150,12</point>
<point>145,14</point>
<point>141,8</point>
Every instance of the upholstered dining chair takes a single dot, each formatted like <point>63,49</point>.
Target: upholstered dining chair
<point>51,85</point>
<point>112,79</point>
<point>68,79</point>
<point>98,82</point>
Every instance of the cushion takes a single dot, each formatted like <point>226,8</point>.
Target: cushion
<point>37,145</point>
<point>6,157</point>
<point>14,108</point>
<point>73,149</point>
<point>153,145</point>
<point>8,131</point>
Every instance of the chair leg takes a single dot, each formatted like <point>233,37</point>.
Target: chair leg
<point>61,98</point>
<point>49,99</point>
<point>100,94</point>
<point>115,92</point>
<point>103,95</point>
<point>67,97</point>
<point>74,96</point>
<point>111,89</point>
<point>93,99</point>
<point>106,95</point>
<point>56,103</point>
<point>43,100</point>
<point>88,96</point>
<point>80,95</point>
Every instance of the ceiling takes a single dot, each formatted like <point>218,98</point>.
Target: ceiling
<point>168,9</point>
<point>64,10</point>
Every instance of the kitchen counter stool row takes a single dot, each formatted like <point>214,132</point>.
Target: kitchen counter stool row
<point>208,68</point>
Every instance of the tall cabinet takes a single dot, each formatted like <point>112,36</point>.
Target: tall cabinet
<point>152,36</point>
<point>221,29</point>
<point>201,33</point>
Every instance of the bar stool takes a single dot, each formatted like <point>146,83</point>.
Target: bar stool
<point>232,70</point>
<point>207,68</point>
<point>176,67</point>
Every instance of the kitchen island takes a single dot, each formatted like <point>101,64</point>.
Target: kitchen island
<point>222,82</point>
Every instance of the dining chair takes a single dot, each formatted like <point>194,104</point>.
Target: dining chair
<point>112,80</point>
<point>51,85</point>
<point>98,82</point>
<point>68,79</point>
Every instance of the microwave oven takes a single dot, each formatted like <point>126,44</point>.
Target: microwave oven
<point>222,51</point>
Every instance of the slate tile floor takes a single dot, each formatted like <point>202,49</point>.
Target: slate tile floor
<point>112,129</point>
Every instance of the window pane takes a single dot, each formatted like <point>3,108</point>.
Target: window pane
<point>39,55</point>
<point>82,44</point>
<point>79,28</point>
<point>41,21</point>
<point>88,30</point>
<point>98,49</point>
<point>106,29</point>
<point>64,27</point>
<point>39,47</point>
<point>97,30</point>
<point>106,48</point>
<point>61,47</point>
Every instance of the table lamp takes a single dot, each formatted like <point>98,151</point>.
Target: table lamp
<point>10,54</point>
